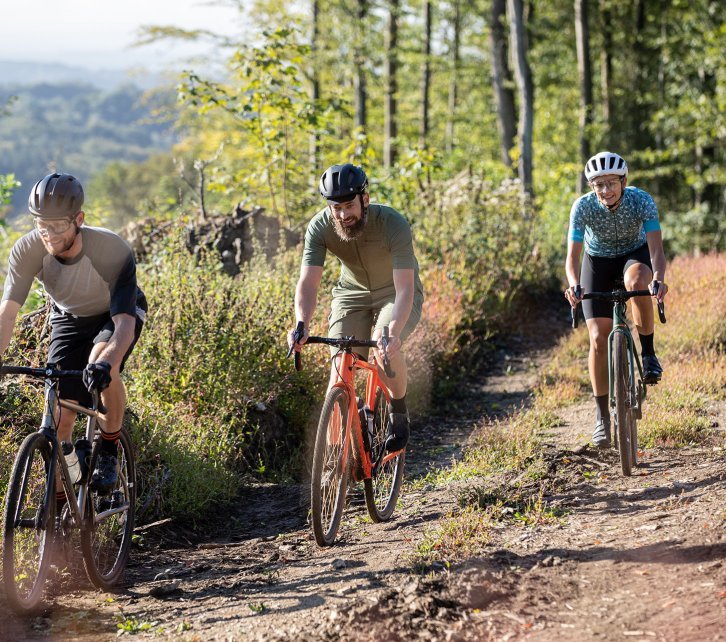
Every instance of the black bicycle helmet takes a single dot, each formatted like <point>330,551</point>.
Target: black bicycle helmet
<point>342,183</point>
<point>56,196</point>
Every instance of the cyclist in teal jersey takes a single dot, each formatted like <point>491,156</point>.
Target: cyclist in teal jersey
<point>619,227</point>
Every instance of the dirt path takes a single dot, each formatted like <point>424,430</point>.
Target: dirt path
<point>631,559</point>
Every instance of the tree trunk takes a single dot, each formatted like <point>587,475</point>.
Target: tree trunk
<point>582,37</point>
<point>360,59</point>
<point>606,64</point>
<point>454,78</point>
<point>502,80</point>
<point>426,78</point>
<point>523,77</point>
<point>391,69</point>
<point>314,87</point>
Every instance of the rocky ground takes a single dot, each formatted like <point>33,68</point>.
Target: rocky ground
<point>639,558</point>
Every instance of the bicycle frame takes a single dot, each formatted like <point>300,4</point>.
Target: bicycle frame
<point>620,326</point>
<point>349,363</point>
<point>77,504</point>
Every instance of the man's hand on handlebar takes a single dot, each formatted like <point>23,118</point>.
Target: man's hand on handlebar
<point>574,295</point>
<point>296,338</point>
<point>392,345</point>
<point>658,289</point>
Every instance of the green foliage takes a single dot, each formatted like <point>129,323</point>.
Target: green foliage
<point>213,395</point>
<point>8,185</point>
<point>271,116</point>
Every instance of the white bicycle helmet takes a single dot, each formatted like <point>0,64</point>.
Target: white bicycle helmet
<point>604,163</point>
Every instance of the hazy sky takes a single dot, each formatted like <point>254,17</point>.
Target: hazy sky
<point>97,33</point>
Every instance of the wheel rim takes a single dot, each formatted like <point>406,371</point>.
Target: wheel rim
<point>27,542</point>
<point>109,529</point>
<point>332,473</point>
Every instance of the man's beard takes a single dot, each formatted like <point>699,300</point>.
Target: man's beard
<point>354,231</point>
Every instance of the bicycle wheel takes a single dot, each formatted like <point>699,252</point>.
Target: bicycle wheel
<point>29,525</point>
<point>623,412</point>
<point>109,521</point>
<point>331,467</point>
<point>381,491</point>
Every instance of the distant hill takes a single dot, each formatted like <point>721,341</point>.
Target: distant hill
<point>13,72</point>
<point>78,128</point>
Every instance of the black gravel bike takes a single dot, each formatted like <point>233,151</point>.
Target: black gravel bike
<point>625,374</point>
<point>37,529</point>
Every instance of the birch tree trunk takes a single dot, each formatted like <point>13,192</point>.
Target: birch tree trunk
<point>390,69</point>
<point>523,77</point>
<point>426,77</point>
<point>360,59</point>
<point>582,38</point>
<point>502,80</point>
<point>454,77</point>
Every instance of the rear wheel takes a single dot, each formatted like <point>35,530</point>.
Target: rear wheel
<point>331,467</point>
<point>381,491</point>
<point>109,521</point>
<point>623,412</point>
<point>29,525</point>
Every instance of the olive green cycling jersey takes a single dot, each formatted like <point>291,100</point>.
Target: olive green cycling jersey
<point>367,263</point>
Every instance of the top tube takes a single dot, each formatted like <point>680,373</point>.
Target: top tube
<point>49,372</point>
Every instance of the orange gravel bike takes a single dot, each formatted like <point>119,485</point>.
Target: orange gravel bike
<point>350,440</point>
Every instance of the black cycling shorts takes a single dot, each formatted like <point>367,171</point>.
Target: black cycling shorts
<point>71,340</point>
<point>604,274</point>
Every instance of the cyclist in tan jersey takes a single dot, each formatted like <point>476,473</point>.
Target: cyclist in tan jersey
<point>379,283</point>
<point>97,309</point>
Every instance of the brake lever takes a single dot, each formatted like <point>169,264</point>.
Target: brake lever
<point>297,334</point>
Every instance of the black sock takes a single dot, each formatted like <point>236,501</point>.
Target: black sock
<point>399,405</point>
<point>603,406</point>
<point>109,443</point>
<point>646,344</point>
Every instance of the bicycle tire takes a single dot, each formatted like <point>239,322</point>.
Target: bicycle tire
<point>331,467</point>
<point>623,412</point>
<point>382,490</point>
<point>27,544</point>
<point>106,541</point>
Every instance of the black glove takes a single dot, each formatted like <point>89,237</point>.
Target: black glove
<point>97,376</point>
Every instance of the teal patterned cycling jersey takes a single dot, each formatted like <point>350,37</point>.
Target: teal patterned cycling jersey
<point>607,233</point>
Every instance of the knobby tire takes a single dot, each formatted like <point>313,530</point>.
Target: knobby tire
<point>331,467</point>
<point>106,541</point>
<point>381,491</point>
<point>623,411</point>
<point>28,544</point>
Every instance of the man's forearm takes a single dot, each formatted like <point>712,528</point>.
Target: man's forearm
<point>402,306</point>
<point>306,299</point>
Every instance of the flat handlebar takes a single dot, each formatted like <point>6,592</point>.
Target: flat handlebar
<point>344,343</point>
<point>49,372</point>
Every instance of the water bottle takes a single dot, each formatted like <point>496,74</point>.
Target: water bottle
<point>83,452</point>
<point>74,467</point>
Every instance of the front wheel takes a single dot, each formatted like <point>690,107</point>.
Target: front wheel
<point>29,525</point>
<point>381,491</point>
<point>109,521</point>
<point>331,467</point>
<point>623,412</point>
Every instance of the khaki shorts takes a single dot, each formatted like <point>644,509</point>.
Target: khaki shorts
<point>360,319</point>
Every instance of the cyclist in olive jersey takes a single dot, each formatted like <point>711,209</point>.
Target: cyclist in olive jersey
<point>379,283</point>
<point>623,244</point>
